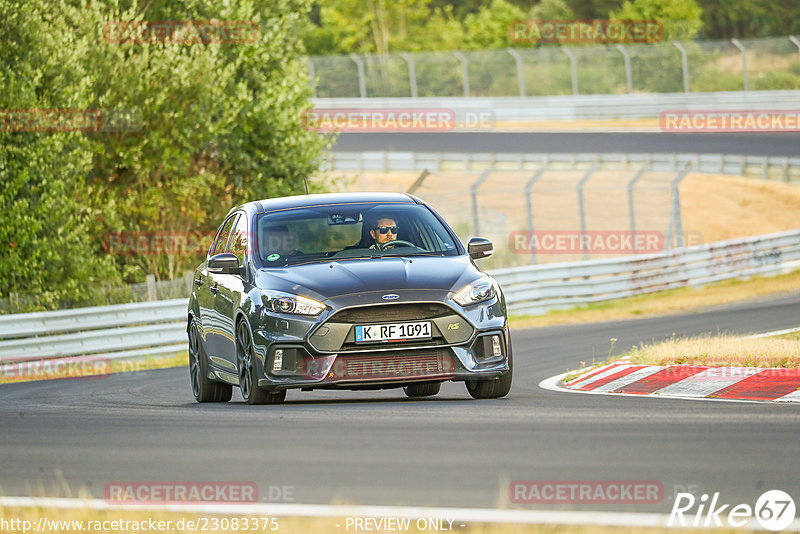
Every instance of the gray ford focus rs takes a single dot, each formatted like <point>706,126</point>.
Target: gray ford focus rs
<point>351,291</point>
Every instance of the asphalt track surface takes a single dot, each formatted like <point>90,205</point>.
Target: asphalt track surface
<point>764,144</point>
<point>382,448</point>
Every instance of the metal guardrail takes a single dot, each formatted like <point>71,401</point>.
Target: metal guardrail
<point>494,112</point>
<point>786,169</point>
<point>144,329</point>
<point>112,332</point>
<point>536,289</point>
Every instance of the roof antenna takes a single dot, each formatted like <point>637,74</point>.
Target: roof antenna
<point>305,180</point>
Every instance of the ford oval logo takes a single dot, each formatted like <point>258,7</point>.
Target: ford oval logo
<point>390,296</point>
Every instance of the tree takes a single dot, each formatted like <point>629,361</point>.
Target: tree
<point>214,125</point>
<point>46,227</point>
<point>681,18</point>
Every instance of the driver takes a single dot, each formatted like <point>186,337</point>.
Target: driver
<point>384,231</point>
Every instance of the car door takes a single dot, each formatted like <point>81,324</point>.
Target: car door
<point>230,289</point>
<point>214,325</point>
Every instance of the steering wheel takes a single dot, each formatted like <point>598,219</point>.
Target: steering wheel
<point>397,243</point>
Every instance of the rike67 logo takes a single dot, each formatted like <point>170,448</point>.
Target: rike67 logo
<point>774,510</point>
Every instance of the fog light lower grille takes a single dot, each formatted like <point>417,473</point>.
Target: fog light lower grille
<point>497,348</point>
<point>277,360</point>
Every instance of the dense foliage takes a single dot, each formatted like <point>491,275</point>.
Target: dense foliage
<point>381,26</point>
<point>208,125</point>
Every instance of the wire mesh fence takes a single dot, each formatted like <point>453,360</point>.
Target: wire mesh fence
<point>558,213</point>
<point>667,67</point>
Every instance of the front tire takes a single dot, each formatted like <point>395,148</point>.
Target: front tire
<point>248,371</point>
<point>492,388</point>
<point>425,389</point>
<point>203,388</point>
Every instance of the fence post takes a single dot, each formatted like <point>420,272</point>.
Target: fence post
<point>188,278</point>
<point>150,280</point>
<point>582,208</point>
<point>464,72</point>
<point>631,205</point>
<point>796,42</point>
<point>418,182</point>
<point>684,65</point>
<point>742,49</point>
<point>520,72</point>
<point>628,76</point>
<point>529,203</point>
<point>573,67</point>
<point>412,73</point>
<point>311,75</point>
<point>474,193</point>
<point>675,218</point>
<point>362,82</point>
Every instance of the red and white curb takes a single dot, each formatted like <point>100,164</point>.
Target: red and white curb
<point>685,381</point>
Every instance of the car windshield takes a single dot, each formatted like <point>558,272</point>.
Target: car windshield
<point>341,232</point>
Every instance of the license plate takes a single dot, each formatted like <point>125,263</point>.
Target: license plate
<point>392,332</point>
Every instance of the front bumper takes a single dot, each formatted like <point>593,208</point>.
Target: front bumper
<point>467,343</point>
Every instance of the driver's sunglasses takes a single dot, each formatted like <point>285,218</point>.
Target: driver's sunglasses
<point>387,229</point>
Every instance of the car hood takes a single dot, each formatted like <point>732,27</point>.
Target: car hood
<point>324,281</point>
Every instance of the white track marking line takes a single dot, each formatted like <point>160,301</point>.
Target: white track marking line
<point>794,396</point>
<point>775,333</point>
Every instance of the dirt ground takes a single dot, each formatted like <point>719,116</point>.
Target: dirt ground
<point>726,207</point>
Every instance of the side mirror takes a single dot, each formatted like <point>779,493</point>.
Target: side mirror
<point>480,247</point>
<point>225,263</point>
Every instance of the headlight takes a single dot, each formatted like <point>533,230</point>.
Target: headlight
<point>294,304</point>
<point>478,291</point>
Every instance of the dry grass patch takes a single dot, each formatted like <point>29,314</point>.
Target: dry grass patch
<point>151,362</point>
<point>721,351</point>
<point>728,207</point>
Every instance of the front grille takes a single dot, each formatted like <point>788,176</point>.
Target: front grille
<point>421,364</point>
<point>396,345</point>
<point>390,312</point>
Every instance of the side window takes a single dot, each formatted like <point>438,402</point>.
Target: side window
<point>222,236</point>
<point>238,244</point>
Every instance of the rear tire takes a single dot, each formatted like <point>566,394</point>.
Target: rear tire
<point>425,389</point>
<point>492,388</point>
<point>248,371</point>
<point>203,388</point>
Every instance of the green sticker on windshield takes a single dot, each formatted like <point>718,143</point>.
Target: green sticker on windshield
<point>273,257</point>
